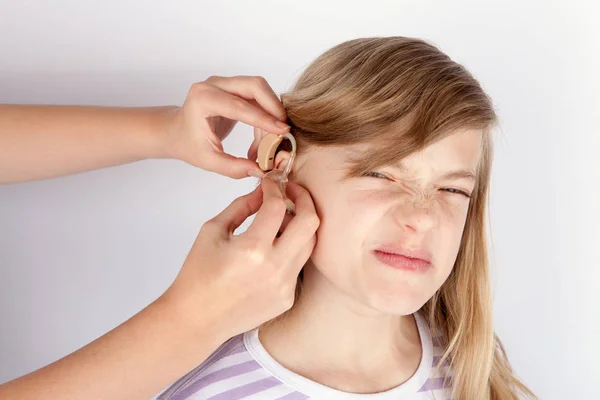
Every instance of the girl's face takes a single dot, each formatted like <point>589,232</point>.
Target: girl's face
<point>420,207</point>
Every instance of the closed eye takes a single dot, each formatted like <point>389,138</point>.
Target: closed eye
<point>457,191</point>
<point>374,174</point>
<point>379,175</point>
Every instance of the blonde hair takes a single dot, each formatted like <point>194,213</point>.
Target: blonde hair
<point>402,94</point>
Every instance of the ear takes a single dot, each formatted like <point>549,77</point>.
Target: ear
<point>281,160</point>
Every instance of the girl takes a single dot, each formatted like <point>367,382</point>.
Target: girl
<point>394,145</point>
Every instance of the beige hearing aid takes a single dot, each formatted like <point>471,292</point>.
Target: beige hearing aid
<point>266,150</point>
<point>268,146</point>
<point>266,160</point>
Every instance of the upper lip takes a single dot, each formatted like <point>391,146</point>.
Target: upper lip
<point>415,253</point>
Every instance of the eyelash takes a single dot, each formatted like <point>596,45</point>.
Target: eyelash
<point>379,175</point>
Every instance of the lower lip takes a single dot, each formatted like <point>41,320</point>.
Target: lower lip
<point>403,263</point>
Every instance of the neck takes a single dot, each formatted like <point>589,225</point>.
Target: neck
<point>328,330</point>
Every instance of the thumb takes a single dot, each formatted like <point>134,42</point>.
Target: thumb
<point>233,167</point>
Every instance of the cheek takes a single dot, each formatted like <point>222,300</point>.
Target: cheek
<point>347,212</point>
<point>454,215</point>
<point>453,209</point>
<point>346,219</point>
<point>450,237</point>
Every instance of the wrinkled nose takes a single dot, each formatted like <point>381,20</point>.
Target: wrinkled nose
<point>416,213</point>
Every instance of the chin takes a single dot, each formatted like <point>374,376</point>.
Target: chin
<point>398,301</point>
<point>399,308</point>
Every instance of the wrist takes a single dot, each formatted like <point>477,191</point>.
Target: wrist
<point>195,318</point>
<point>171,132</point>
<point>163,130</point>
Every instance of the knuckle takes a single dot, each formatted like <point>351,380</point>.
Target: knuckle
<point>255,256</point>
<point>254,253</point>
<point>288,301</point>
<point>198,87</point>
<point>311,221</point>
<point>213,78</point>
<point>209,225</point>
<point>260,81</point>
<point>251,244</point>
<point>199,91</point>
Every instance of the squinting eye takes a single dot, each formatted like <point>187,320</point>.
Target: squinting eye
<point>376,175</point>
<point>457,191</point>
<point>379,175</point>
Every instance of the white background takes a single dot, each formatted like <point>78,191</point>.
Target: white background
<point>81,254</point>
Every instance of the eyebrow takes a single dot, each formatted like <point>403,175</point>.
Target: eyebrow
<point>456,174</point>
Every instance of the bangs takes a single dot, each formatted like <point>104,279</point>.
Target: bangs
<point>392,147</point>
<point>394,95</point>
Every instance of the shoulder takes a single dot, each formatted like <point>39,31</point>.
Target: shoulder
<point>231,372</point>
<point>216,367</point>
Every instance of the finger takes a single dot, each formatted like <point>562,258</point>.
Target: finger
<point>231,166</point>
<point>238,211</point>
<point>271,213</point>
<point>286,221</point>
<point>220,103</point>
<point>252,88</point>
<point>297,260</point>
<point>305,222</point>
<point>304,254</point>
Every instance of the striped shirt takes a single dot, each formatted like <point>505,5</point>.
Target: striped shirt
<point>241,368</point>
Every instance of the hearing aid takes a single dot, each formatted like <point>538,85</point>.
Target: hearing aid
<point>266,161</point>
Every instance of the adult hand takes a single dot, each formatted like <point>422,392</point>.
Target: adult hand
<point>249,278</point>
<point>209,113</point>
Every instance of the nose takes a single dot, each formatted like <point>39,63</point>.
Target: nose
<point>416,214</point>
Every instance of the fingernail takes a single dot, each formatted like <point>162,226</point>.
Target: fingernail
<point>282,125</point>
<point>257,173</point>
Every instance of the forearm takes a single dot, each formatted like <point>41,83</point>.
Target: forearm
<point>134,361</point>
<point>38,142</point>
